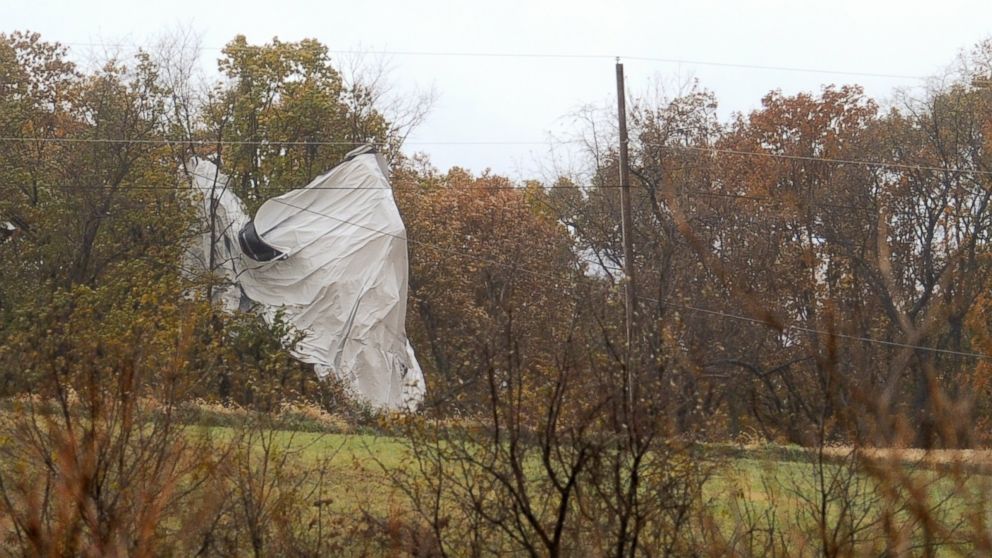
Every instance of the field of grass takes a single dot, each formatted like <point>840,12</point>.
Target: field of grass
<point>356,464</point>
<point>788,494</point>
<point>765,474</point>
<point>773,487</point>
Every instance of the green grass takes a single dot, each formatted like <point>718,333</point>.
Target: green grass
<point>356,465</point>
<point>340,449</point>
<point>779,487</point>
<point>788,495</point>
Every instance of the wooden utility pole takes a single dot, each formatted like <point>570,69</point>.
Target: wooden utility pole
<point>626,227</point>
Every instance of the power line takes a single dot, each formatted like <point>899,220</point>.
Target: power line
<point>838,161</point>
<point>272,143</point>
<point>822,332</point>
<point>563,56</point>
<point>778,68</point>
<point>486,187</point>
<point>814,203</point>
<point>725,151</point>
<point>277,188</point>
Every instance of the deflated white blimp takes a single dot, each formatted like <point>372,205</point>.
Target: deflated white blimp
<point>332,258</point>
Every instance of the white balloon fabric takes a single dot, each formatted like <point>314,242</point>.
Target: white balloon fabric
<point>332,258</point>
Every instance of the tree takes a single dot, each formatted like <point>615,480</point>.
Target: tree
<point>282,118</point>
<point>479,247</point>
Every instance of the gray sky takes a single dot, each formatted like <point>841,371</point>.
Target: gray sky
<point>495,99</point>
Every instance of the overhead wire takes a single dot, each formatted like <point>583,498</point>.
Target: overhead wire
<point>691,193</point>
<point>273,143</point>
<point>725,151</point>
<point>556,56</point>
<point>483,187</point>
<point>832,160</point>
<point>823,332</point>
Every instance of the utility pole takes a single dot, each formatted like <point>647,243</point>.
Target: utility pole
<point>627,229</point>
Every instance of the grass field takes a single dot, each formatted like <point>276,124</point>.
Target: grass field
<point>774,488</point>
<point>764,492</point>
<point>357,465</point>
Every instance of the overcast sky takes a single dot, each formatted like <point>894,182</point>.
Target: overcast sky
<point>520,99</point>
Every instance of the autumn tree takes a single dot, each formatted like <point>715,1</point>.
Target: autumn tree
<point>283,116</point>
<point>480,247</point>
